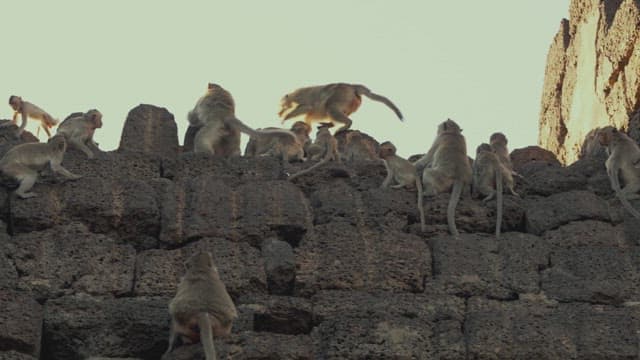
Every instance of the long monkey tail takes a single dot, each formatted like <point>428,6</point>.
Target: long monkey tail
<point>236,123</point>
<point>451,209</point>
<point>206,336</point>
<point>363,90</point>
<point>625,203</point>
<point>328,156</point>
<point>499,199</point>
<point>423,226</point>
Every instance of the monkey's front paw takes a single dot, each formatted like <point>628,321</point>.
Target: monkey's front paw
<point>27,195</point>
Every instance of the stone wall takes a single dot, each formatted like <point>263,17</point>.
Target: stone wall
<point>327,267</point>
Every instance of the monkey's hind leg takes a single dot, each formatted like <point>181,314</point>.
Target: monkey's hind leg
<point>340,117</point>
<point>299,110</point>
<point>82,147</point>
<point>25,176</point>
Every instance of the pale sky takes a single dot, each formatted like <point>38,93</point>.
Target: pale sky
<point>480,63</point>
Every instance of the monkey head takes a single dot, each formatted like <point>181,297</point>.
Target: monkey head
<point>498,138</point>
<point>15,102</point>
<point>95,117</point>
<point>286,104</point>
<point>483,147</point>
<point>58,142</point>
<point>386,149</point>
<point>301,127</point>
<point>449,126</point>
<point>606,134</point>
<point>202,261</point>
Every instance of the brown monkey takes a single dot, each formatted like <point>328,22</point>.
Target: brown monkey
<point>624,155</point>
<point>402,173</point>
<point>446,167</point>
<point>356,148</point>
<point>27,109</point>
<point>489,177</point>
<point>78,130</point>
<point>335,101</point>
<point>214,113</point>
<point>202,307</point>
<point>498,142</point>
<point>279,142</point>
<point>23,162</point>
<point>325,147</point>
<point>303,132</point>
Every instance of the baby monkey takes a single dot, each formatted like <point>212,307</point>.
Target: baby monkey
<point>624,161</point>
<point>402,173</point>
<point>325,147</point>
<point>27,109</point>
<point>489,176</point>
<point>202,308</point>
<point>78,129</point>
<point>23,162</point>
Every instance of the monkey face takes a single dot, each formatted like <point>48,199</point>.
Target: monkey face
<point>483,147</point>
<point>386,149</point>
<point>15,102</point>
<point>300,127</point>
<point>95,117</point>
<point>605,135</point>
<point>286,106</point>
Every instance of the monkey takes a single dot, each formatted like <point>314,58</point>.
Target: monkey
<point>325,147</point>
<point>27,109</point>
<point>490,175</point>
<point>202,307</point>
<point>357,148</point>
<point>335,101</point>
<point>446,167</point>
<point>23,162</point>
<point>214,114</point>
<point>302,130</point>
<point>78,130</point>
<point>403,173</point>
<point>498,142</point>
<point>624,155</point>
<point>279,143</point>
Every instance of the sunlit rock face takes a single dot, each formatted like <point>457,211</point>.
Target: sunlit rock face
<point>592,78</point>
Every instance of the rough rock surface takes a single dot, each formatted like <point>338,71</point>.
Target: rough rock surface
<point>329,266</point>
<point>592,78</point>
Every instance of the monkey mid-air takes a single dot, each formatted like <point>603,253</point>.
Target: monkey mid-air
<point>27,109</point>
<point>202,307</point>
<point>78,130</point>
<point>23,162</point>
<point>623,161</point>
<point>446,167</point>
<point>333,101</point>
<point>401,173</point>
<point>489,176</point>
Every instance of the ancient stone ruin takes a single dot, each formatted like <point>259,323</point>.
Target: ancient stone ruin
<point>329,266</point>
<point>592,77</point>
